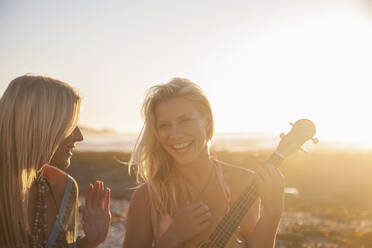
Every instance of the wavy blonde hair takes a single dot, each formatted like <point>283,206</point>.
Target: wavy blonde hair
<point>36,114</point>
<point>151,163</point>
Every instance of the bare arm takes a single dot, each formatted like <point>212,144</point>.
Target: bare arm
<point>261,231</point>
<point>138,225</point>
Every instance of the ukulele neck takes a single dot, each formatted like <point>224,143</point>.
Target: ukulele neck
<point>275,159</point>
<point>232,219</point>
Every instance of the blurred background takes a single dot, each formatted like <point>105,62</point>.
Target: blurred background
<point>262,64</point>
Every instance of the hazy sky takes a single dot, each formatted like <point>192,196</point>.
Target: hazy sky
<point>263,63</point>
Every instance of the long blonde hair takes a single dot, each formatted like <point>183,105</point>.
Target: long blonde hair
<point>36,114</point>
<point>151,163</point>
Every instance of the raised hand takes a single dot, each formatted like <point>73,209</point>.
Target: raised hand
<point>96,214</point>
<point>189,221</point>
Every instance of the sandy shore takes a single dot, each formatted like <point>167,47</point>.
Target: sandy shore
<point>297,229</point>
<point>332,206</point>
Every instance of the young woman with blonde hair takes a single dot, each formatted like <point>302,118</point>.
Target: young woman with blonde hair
<point>38,202</point>
<point>185,190</point>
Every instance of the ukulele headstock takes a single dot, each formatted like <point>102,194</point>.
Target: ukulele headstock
<point>302,131</point>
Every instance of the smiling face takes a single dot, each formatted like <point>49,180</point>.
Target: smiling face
<point>62,156</point>
<point>181,129</point>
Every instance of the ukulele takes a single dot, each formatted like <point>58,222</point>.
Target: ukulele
<point>301,131</point>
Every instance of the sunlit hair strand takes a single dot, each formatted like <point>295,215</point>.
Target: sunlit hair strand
<point>36,114</point>
<point>150,162</point>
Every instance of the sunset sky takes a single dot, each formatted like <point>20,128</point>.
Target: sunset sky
<point>262,63</point>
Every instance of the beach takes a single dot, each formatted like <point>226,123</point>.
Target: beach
<point>327,203</point>
<point>297,229</point>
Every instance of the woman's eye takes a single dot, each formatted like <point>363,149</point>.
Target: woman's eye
<point>162,126</point>
<point>186,120</point>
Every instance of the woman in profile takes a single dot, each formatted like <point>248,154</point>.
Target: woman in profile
<point>39,202</point>
<point>186,191</point>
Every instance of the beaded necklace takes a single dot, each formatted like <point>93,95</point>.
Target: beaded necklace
<point>39,229</point>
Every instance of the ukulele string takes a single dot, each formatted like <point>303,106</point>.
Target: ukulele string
<point>221,229</point>
<point>251,189</point>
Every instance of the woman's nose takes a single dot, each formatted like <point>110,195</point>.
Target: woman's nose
<point>175,132</point>
<point>78,136</point>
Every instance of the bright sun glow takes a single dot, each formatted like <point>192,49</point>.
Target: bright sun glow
<point>262,64</point>
<point>318,67</point>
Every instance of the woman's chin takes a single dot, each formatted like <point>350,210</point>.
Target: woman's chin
<point>186,159</point>
<point>62,164</point>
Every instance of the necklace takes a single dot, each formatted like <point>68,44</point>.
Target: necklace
<point>39,228</point>
<point>201,191</point>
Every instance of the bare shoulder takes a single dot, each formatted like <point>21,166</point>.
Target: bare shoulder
<point>236,177</point>
<point>140,197</point>
<point>58,180</point>
<point>138,223</point>
<point>235,171</point>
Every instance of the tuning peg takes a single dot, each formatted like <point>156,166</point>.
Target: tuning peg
<point>282,135</point>
<point>303,150</point>
<point>315,140</point>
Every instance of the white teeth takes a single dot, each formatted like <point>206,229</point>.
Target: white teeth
<point>180,146</point>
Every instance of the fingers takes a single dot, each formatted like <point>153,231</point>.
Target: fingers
<point>197,211</point>
<point>203,221</point>
<point>269,181</point>
<point>201,210</point>
<point>88,196</point>
<point>107,200</point>
<point>204,225</point>
<point>269,173</point>
<point>269,177</point>
<point>276,176</point>
<point>100,195</point>
<point>264,175</point>
<point>201,216</point>
<point>194,206</point>
<point>97,196</point>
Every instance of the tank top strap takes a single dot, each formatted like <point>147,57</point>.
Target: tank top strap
<point>61,214</point>
<point>221,180</point>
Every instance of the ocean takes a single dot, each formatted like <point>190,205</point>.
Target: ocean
<point>231,142</point>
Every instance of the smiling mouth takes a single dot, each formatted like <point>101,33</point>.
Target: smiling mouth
<point>70,150</point>
<point>182,147</point>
